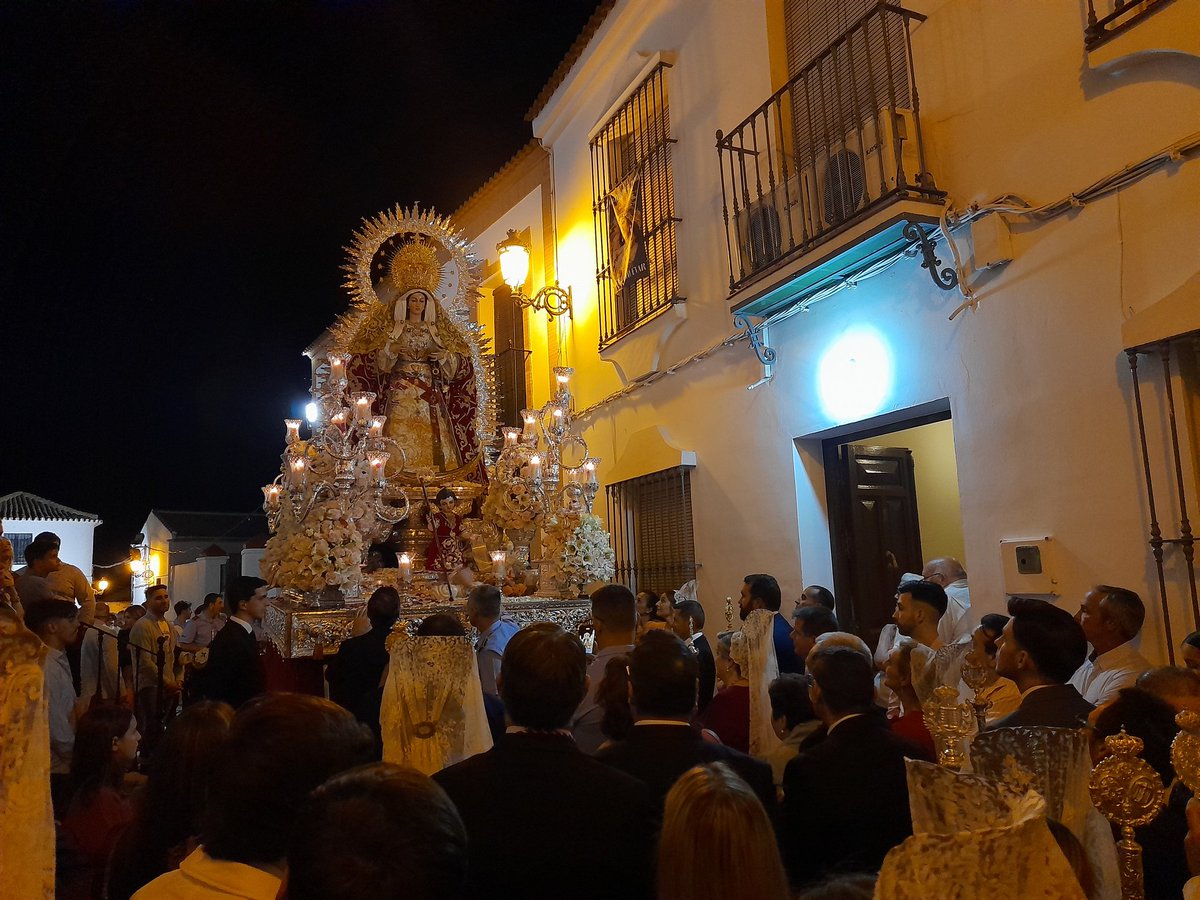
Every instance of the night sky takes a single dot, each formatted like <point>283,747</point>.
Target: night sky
<point>179,181</point>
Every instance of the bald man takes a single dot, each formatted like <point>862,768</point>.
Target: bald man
<point>957,623</point>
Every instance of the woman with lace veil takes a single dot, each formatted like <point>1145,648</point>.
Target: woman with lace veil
<point>740,713</point>
<point>433,713</point>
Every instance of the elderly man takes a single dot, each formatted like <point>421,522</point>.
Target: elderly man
<point>484,608</point>
<point>1111,618</point>
<point>948,573</point>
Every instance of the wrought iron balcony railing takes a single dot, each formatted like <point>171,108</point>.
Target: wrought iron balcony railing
<point>835,144</point>
<point>1122,15</point>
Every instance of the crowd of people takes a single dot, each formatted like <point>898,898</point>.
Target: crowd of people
<point>637,757</point>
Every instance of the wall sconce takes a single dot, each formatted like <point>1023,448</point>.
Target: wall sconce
<point>514,268</point>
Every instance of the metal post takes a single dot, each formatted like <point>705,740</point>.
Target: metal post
<point>1185,541</point>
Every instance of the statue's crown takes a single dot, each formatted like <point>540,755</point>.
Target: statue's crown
<point>416,265</point>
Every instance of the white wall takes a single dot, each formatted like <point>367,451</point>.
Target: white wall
<point>77,539</point>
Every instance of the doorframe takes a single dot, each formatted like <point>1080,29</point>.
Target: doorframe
<point>837,488</point>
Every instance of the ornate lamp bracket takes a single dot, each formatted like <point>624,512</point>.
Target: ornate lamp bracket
<point>766,355</point>
<point>555,300</point>
<point>946,279</point>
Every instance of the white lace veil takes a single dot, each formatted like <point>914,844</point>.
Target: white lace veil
<point>686,592</point>
<point>432,714</point>
<point>753,649</point>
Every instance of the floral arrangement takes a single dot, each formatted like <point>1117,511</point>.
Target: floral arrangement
<point>579,549</point>
<point>325,549</point>
<point>511,504</point>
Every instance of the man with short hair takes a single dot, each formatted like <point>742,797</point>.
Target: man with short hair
<point>183,614</point>
<point>356,671</point>
<point>815,595</point>
<point>98,673</point>
<point>534,802</point>
<point>663,744</point>
<point>280,748</point>
<point>948,573</point>
<point>614,618</point>
<point>1111,618</point>
<point>484,612</point>
<point>53,620</point>
<point>920,607</point>
<point>33,578</point>
<point>845,799</point>
<point>687,621</point>
<point>1178,686</point>
<point>68,581</point>
<point>809,623</point>
<point>1040,648</point>
<point>234,672</point>
<point>762,592</point>
<point>148,635</point>
<point>200,629</point>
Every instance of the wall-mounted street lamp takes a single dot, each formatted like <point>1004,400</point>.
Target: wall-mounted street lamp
<point>514,268</point>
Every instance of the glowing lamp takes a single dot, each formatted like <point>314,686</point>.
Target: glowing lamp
<point>854,376</point>
<point>514,261</point>
<point>311,412</point>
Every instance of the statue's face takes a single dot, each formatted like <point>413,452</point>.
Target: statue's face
<point>446,504</point>
<point>416,305</point>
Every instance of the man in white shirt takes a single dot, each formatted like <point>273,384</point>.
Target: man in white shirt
<point>958,623</point>
<point>98,672</point>
<point>54,622</point>
<point>1111,618</point>
<point>153,711</point>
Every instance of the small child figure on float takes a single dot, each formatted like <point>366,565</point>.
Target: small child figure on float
<point>446,546</point>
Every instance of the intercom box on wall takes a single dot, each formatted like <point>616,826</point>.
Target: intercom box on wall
<point>1030,567</point>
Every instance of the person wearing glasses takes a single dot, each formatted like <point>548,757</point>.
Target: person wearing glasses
<point>947,572</point>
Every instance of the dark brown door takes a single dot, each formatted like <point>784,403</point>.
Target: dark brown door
<point>874,531</point>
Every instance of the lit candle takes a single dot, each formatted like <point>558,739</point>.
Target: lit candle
<point>499,560</point>
<point>405,562</point>
<point>271,496</point>
<point>362,406</point>
<point>510,436</point>
<point>340,418</point>
<point>535,468</point>
<point>337,368</point>
<point>590,468</point>
<point>297,468</point>
<point>377,426</point>
<point>563,374</point>
<point>530,431</point>
<point>379,466</point>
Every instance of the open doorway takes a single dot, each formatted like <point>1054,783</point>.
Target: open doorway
<point>893,502</point>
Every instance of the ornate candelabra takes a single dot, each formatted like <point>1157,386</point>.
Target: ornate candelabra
<point>976,678</point>
<point>341,468</point>
<point>948,722</point>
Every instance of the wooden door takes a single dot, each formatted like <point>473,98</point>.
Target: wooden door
<point>874,532</point>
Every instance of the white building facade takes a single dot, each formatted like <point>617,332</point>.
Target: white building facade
<point>25,516</point>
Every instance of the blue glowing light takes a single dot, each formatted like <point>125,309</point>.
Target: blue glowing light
<point>855,375</point>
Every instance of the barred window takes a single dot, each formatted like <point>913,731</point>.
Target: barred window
<point>19,540</point>
<point>633,204</point>
<point>650,519</point>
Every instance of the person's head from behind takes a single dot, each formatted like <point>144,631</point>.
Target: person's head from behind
<point>790,704</point>
<point>943,571</point>
<point>717,840</point>
<point>280,748</point>
<point>612,696</point>
<point>982,654</point>
<point>920,605</point>
<point>182,771</point>
<point>1142,715</point>
<point>1178,686</point>
<point>247,598</point>
<point>106,742</point>
<point>42,558</point>
<point>441,625</point>
<point>543,677</point>
<point>687,618</point>
<point>53,620</point>
<point>183,612</point>
<point>483,605</point>
<point>1110,616</point>
<point>809,623</point>
<point>49,537</point>
<point>759,592</point>
<point>379,830</point>
<point>842,682</point>
<point>730,663</point>
<point>664,675</point>
<point>1040,644</point>
<point>614,615</point>
<point>897,672</point>
<point>848,640</point>
<point>816,595</point>
<point>383,609</point>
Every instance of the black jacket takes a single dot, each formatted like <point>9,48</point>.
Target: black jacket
<point>845,801</point>
<point>234,672</point>
<point>1053,706</point>
<point>544,820</point>
<point>708,672</point>
<point>355,672</point>
<point>659,754</point>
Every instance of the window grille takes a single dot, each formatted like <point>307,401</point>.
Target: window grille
<point>512,359</point>
<point>650,519</point>
<point>633,205</point>
<point>19,541</point>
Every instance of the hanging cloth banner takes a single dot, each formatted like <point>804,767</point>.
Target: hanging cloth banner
<point>629,261</point>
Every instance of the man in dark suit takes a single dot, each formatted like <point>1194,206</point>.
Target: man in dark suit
<point>534,802</point>
<point>663,743</point>
<point>762,592</point>
<point>845,799</point>
<point>687,621</point>
<point>234,672</point>
<point>1040,649</point>
<point>355,673</point>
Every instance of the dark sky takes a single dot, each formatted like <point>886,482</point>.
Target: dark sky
<point>178,182</point>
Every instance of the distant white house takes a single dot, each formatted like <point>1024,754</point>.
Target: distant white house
<point>25,515</point>
<point>196,553</point>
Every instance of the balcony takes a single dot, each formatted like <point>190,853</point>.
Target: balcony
<point>1104,24</point>
<point>822,179</point>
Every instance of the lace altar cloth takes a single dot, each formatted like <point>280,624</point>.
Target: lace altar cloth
<point>973,838</point>
<point>27,820</point>
<point>432,714</point>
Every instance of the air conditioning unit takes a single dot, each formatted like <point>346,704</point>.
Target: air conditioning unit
<point>768,226</point>
<point>864,165</point>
